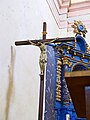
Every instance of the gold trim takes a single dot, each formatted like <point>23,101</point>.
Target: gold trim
<point>76,26</point>
<point>58,80</point>
<point>66,60</point>
<point>44,32</point>
<point>87,48</point>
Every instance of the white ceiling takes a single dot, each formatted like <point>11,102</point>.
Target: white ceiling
<point>75,1</point>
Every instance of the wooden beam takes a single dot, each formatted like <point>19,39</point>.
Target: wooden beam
<point>57,40</point>
<point>41,95</point>
<point>77,82</point>
<point>87,96</point>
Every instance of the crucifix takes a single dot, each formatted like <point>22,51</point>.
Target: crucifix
<point>43,59</point>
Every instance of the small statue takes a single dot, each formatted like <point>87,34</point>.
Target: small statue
<point>43,58</point>
<point>43,55</point>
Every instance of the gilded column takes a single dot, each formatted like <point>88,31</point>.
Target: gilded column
<point>65,92</point>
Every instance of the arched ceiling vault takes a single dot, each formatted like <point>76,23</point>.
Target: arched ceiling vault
<point>66,11</point>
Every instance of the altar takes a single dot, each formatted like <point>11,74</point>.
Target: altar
<point>60,55</point>
<point>70,55</point>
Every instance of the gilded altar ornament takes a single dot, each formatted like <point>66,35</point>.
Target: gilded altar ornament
<point>87,48</point>
<point>83,55</point>
<point>44,32</point>
<point>69,48</point>
<point>75,43</point>
<point>58,80</point>
<point>75,53</point>
<point>66,61</point>
<point>79,28</point>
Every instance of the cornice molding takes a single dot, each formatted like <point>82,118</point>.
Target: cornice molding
<point>64,10</point>
<point>54,10</point>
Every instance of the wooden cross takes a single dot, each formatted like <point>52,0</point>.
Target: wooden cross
<point>43,59</point>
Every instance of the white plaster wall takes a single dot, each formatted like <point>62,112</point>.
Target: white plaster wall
<point>19,20</point>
